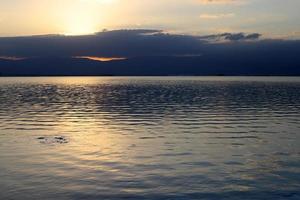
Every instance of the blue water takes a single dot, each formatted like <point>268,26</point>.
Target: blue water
<point>150,138</point>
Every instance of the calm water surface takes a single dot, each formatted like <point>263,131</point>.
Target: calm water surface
<point>150,138</point>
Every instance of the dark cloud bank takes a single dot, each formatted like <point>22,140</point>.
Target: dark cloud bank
<point>150,52</point>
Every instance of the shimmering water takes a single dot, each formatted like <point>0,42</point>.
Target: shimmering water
<point>150,138</point>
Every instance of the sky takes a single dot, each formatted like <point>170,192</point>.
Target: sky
<point>271,18</point>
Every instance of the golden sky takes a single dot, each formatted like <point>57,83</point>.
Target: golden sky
<point>74,17</point>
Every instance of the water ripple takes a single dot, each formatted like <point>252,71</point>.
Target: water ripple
<point>149,138</point>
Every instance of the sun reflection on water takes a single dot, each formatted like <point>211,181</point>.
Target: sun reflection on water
<point>142,136</point>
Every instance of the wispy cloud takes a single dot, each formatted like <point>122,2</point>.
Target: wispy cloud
<point>101,1</point>
<point>221,1</point>
<point>216,16</point>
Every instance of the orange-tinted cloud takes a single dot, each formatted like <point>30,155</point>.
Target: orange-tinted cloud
<point>101,59</point>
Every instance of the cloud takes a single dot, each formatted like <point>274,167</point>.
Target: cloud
<point>216,16</point>
<point>120,43</point>
<point>101,1</point>
<point>232,37</point>
<point>219,1</point>
<point>149,52</point>
<point>223,2</point>
<point>241,36</point>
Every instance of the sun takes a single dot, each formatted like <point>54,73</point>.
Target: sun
<point>80,20</point>
<point>80,24</point>
<point>86,16</point>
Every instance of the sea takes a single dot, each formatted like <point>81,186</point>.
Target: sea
<point>149,138</point>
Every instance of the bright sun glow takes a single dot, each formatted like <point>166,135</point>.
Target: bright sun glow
<point>80,19</point>
<point>79,25</point>
<point>85,16</point>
